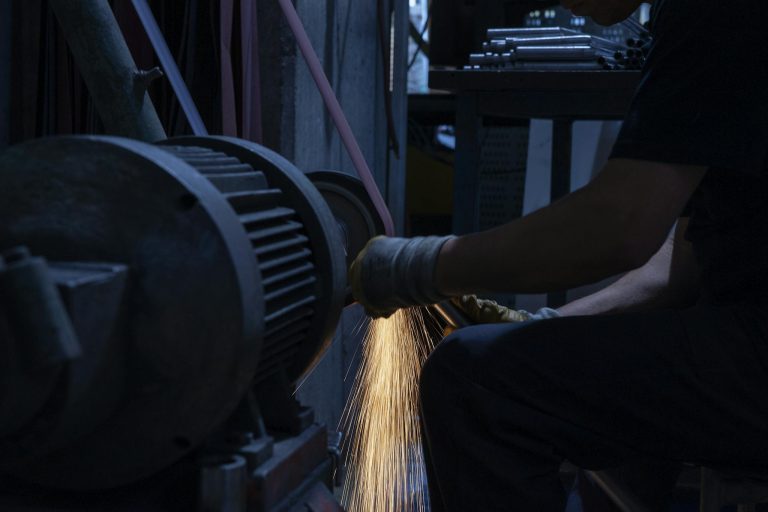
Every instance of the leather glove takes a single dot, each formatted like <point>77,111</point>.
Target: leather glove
<point>393,273</point>
<point>485,311</point>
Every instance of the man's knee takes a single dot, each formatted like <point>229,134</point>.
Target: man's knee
<point>485,355</point>
<point>433,381</point>
<point>460,355</point>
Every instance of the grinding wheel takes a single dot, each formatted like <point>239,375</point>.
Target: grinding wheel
<point>353,209</point>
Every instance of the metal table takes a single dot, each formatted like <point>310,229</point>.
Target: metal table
<point>562,96</point>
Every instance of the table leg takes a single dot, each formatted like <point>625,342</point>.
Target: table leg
<point>466,180</point>
<point>560,185</point>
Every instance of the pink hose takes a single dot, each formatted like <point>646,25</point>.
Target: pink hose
<point>337,114</point>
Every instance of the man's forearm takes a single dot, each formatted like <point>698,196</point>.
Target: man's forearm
<point>601,230</point>
<point>668,280</point>
<point>632,292</point>
<point>551,249</point>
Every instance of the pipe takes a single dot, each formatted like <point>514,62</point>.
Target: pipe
<point>560,65</point>
<point>339,119</point>
<point>635,26</point>
<point>570,40</point>
<point>618,493</point>
<point>166,59</point>
<point>452,315</point>
<point>501,33</point>
<point>117,87</point>
<point>545,53</point>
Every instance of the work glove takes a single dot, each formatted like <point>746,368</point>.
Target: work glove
<point>485,311</point>
<point>393,273</point>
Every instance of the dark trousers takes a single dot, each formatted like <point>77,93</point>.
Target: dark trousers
<point>503,405</point>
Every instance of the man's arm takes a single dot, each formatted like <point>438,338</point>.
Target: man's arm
<point>613,225</point>
<point>669,279</point>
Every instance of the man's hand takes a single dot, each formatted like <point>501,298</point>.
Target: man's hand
<point>486,311</point>
<point>393,273</point>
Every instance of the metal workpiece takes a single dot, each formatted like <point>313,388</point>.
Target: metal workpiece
<point>497,45</point>
<point>556,49</point>
<point>223,484</point>
<point>479,58</point>
<point>117,87</point>
<point>493,59</point>
<point>562,53</point>
<point>635,26</point>
<point>568,40</point>
<point>608,62</point>
<point>617,491</point>
<point>501,33</point>
<point>451,315</point>
<point>564,65</point>
<point>638,42</point>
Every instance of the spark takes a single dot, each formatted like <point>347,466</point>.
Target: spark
<point>384,457</point>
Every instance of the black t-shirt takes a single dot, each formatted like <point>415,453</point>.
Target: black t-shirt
<point>703,100</point>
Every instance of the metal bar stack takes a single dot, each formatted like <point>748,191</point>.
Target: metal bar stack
<point>557,48</point>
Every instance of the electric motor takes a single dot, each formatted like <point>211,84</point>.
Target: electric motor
<point>190,271</point>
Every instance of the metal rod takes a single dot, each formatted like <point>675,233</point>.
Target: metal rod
<point>635,26</point>
<point>622,497</point>
<point>452,315</point>
<point>545,53</point>
<point>169,66</point>
<point>117,87</point>
<point>500,33</point>
<point>581,40</point>
<point>561,65</point>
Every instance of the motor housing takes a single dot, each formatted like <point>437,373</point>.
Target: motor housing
<point>190,271</point>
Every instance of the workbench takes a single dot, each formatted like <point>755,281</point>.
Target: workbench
<point>562,96</point>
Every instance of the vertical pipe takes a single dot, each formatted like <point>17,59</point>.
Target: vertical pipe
<point>399,65</point>
<point>118,89</point>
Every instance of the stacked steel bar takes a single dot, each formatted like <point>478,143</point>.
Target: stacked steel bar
<point>557,48</point>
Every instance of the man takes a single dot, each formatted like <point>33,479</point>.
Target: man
<point>671,362</point>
